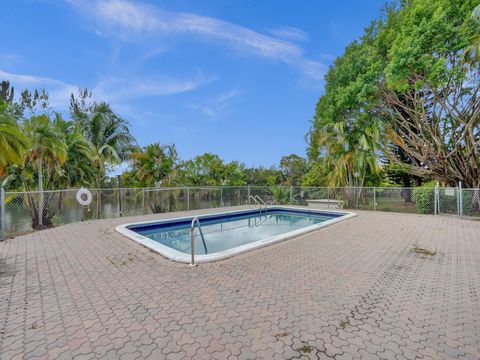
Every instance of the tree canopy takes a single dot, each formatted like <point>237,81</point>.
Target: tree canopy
<point>407,93</point>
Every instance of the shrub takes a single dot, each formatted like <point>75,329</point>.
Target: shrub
<point>424,198</point>
<point>283,196</point>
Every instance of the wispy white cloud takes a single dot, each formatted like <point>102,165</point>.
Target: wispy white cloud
<point>313,69</point>
<point>226,96</point>
<point>327,56</point>
<point>289,33</point>
<point>59,91</point>
<point>214,106</point>
<point>134,20</point>
<point>123,88</point>
<point>204,109</point>
<point>111,89</point>
<point>30,79</point>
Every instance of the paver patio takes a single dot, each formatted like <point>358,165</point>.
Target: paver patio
<point>352,290</point>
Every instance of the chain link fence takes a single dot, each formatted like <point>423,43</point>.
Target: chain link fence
<point>23,212</point>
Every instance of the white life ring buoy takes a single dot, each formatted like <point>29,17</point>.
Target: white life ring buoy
<point>84,197</point>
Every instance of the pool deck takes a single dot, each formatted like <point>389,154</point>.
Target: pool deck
<point>354,290</point>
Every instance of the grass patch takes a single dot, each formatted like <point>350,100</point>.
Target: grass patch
<point>344,324</point>
<point>306,349</point>
<point>423,251</point>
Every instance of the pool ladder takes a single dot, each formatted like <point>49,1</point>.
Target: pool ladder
<point>192,238</point>
<point>259,201</point>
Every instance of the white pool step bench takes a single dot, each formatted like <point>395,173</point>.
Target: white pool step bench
<point>325,204</point>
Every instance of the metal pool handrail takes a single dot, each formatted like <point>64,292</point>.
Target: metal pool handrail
<point>192,238</point>
<point>261,200</point>
<point>256,199</point>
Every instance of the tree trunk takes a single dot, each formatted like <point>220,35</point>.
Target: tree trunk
<point>98,185</point>
<point>99,199</point>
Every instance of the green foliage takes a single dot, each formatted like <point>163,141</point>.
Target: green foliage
<point>109,137</point>
<point>316,176</point>
<point>13,142</point>
<point>282,195</point>
<point>153,164</point>
<point>78,169</point>
<point>346,133</point>
<point>263,176</point>
<point>385,97</point>
<point>161,202</point>
<point>293,168</point>
<point>472,51</point>
<point>41,150</point>
<point>210,170</point>
<point>47,151</point>
<point>424,198</point>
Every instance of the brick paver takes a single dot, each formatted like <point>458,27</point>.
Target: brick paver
<point>354,290</point>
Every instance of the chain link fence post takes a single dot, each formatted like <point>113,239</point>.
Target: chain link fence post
<point>457,198</point>
<point>374,199</point>
<point>188,199</point>
<point>3,229</point>
<point>460,200</point>
<point>436,200</point>
<point>119,186</point>
<point>248,194</point>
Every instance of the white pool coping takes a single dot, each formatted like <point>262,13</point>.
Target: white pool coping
<point>178,256</point>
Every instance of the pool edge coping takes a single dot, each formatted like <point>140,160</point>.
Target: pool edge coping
<point>178,256</point>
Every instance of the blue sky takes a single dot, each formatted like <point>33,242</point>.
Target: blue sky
<point>236,78</point>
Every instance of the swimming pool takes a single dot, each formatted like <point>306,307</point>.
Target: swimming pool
<point>228,233</point>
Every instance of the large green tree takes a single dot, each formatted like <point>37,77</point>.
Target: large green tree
<point>46,154</point>
<point>431,96</point>
<point>293,168</point>
<point>209,170</point>
<point>110,140</point>
<point>346,132</point>
<point>109,137</point>
<point>262,176</point>
<point>404,92</point>
<point>13,142</point>
<point>77,170</point>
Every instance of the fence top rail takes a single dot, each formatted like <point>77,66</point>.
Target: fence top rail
<point>266,187</point>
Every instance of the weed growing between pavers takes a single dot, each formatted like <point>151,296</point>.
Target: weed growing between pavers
<point>424,251</point>
<point>306,349</point>
<point>344,324</point>
<point>280,335</point>
<point>130,259</point>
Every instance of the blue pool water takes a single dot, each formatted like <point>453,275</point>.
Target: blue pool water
<point>226,231</point>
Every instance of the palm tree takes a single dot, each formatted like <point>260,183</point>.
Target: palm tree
<point>46,153</point>
<point>12,141</point>
<point>110,139</point>
<point>154,163</point>
<point>351,152</point>
<point>472,51</point>
<point>77,169</point>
